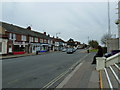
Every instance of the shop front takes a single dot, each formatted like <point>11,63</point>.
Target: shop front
<point>35,47</point>
<point>44,48</point>
<point>19,48</point>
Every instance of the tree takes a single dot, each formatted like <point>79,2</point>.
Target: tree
<point>104,38</point>
<point>93,43</point>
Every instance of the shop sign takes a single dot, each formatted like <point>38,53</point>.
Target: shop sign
<point>20,43</point>
<point>44,44</point>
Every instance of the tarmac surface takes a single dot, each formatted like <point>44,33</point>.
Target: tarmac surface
<point>38,70</point>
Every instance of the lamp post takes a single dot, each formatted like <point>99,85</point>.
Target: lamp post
<point>57,34</point>
<point>109,31</point>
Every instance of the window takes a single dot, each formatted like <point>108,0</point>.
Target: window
<point>12,36</point>
<point>18,48</point>
<point>41,40</point>
<point>36,39</point>
<point>31,39</point>
<point>23,38</point>
<point>49,41</point>
<point>45,41</point>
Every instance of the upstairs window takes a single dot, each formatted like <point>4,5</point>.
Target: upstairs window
<point>45,41</point>
<point>12,36</point>
<point>41,40</point>
<point>31,39</point>
<point>36,39</point>
<point>23,38</point>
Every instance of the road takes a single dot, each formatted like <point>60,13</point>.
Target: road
<point>37,71</point>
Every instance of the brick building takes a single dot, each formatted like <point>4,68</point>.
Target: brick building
<point>23,40</point>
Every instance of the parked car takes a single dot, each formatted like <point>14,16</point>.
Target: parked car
<point>115,51</point>
<point>111,53</point>
<point>74,49</point>
<point>70,50</point>
<point>64,50</point>
<point>108,54</point>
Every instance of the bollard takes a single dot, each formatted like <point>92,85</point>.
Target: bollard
<point>36,52</point>
<point>100,63</point>
<point>88,51</point>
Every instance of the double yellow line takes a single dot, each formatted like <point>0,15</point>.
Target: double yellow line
<point>61,75</point>
<point>54,80</point>
<point>101,81</point>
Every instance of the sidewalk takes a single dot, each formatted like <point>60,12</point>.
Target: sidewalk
<point>84,76</point>
<point>22,55</point>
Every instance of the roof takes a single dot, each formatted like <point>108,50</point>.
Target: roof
<point>57,40</point>
<point>19,30</point>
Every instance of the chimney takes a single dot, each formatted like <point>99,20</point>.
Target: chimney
<point>29,28</point>
<point>45,33</point>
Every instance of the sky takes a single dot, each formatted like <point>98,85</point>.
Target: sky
<point>77,20</point>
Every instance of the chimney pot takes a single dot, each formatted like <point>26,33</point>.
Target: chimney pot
<point>45,33</point>
<point>29,28</point>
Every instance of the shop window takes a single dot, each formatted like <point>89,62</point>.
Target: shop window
<point>0,46</point>
<point>18,48</point>
<point>34,48</point>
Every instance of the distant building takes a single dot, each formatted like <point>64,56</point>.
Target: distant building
<point>118,23</point>
<point>59,44</point>
<point>112,44</point>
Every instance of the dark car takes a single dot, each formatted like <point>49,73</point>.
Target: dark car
<point>70,50</point>
<point>115,51</point>
<point>111,53</point>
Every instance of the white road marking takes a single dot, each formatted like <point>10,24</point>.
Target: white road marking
<point>64,73</point>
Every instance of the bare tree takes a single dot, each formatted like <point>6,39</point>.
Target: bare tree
<point>105,37</point>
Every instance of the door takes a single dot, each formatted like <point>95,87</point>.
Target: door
<point>10,49</point>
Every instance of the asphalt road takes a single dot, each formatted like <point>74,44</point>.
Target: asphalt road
<point>36,71</point>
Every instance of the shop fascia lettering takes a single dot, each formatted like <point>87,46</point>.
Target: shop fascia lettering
<point>20,43</point>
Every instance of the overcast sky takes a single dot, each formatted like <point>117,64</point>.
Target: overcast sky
<point>76,20</point>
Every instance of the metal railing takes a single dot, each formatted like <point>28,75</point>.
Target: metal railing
<point>103,62</point>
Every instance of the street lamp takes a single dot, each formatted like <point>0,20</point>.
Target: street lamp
<point>57,34</point>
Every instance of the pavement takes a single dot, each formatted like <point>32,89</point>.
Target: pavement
<point>83,76</point>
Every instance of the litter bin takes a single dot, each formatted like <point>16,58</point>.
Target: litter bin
<point>36,52</point>
<point>88,51</point>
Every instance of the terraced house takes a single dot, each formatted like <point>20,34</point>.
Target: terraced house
<point>18,40</point>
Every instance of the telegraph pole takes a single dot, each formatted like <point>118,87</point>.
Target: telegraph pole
<point>109,29</point>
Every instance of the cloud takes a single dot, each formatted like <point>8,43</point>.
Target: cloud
<point>75,20</point>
